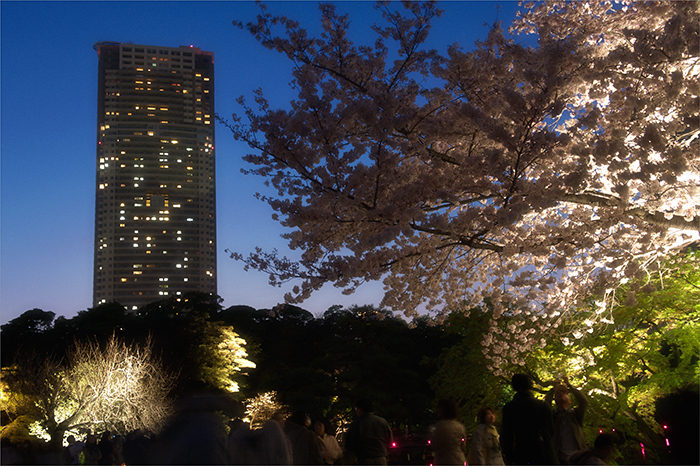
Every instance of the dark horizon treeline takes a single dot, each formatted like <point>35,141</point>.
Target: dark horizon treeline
<point>317,364</point>
<point>323,364</point>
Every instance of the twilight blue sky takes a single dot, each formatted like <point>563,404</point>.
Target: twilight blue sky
<point>48,106</point>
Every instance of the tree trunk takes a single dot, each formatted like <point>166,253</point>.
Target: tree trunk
<point>56,442</point>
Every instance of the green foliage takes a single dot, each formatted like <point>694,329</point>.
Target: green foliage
<point>194,340</point>
<point>463,374</point>
<point>371,353</point>
<point>26,332</point>
<point>649,348</point>
<point>17,431</point>
<point>220,356</point>
<point>322,365</point>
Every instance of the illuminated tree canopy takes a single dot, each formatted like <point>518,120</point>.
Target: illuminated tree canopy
<point>529,175</point>
<point>262,407</point>
<point>194,341</point>
<point>222,358</point>
<point>647,347</point>
<point>113,387</point>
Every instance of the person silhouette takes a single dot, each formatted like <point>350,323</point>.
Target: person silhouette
<point>369,436</point>
<point>526,437</point>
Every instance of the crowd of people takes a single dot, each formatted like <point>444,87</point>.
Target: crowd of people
<point>297,440</point>
<point>531,433</point>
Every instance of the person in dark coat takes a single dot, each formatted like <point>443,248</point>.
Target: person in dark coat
<point>106,448</point>
<point>305,447</point>
<point>526,435</point>
<point>369,436</point>
<point>602,451</point>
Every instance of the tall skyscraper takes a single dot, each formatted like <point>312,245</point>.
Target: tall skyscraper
<point>155,214</point>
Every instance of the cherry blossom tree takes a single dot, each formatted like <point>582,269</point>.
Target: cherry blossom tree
<point>528,175</point>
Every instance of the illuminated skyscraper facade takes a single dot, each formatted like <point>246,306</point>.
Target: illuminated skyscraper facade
<point>155,215</point>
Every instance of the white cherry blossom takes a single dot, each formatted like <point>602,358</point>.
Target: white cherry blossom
<point>531,176</point>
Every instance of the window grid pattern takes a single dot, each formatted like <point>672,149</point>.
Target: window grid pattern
<point>155,219</point>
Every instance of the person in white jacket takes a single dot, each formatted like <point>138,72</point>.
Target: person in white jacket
<point>448,436</point>
<point>486,445</point>
<point>330,450</point>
